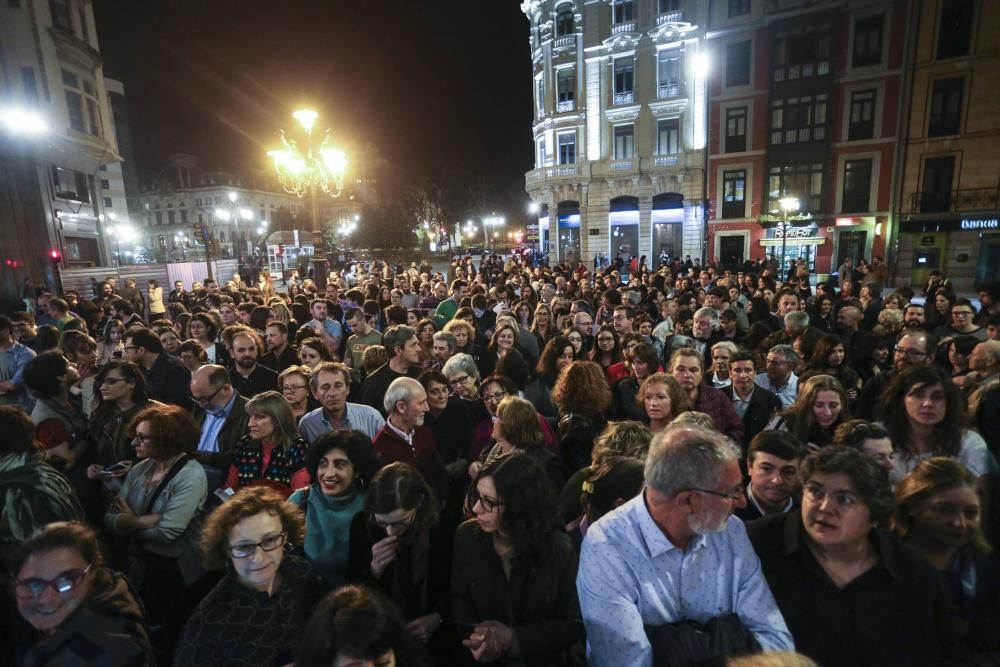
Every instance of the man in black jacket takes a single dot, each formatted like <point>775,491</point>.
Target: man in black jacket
<point>754,404</point>
<point>248,376</point>
<point>772,463</point>
<point>167,379</point>
<point>222,417</point>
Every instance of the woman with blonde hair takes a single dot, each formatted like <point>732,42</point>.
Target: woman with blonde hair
<point>820,407</point>
<point>583,398</point>
<point>938,514</point>
<point>294,385</point>
<point>662,399</point>
<point>272,453</point>
<point>543,324</point>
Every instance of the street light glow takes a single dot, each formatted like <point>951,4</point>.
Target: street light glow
<point>306,117</point>
<point>701,64</point>
<point>232,197</point>
<point>789,204</point>
<point>23,121</point>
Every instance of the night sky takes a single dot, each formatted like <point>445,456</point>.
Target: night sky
<point>439,87</point>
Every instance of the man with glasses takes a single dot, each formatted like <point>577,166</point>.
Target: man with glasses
<point>772,464</point>
<point>330,384</point>
<point>222,416</point>
<point>622,319</point>
<point>167,379</point>
<point>674,553</point>
<point>780,378</point>
<point>583,322</point>
<point>914,348</point>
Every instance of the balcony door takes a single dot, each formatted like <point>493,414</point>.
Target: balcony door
<point>935,191</point>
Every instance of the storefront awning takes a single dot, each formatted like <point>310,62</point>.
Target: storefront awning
<point>807,240</point>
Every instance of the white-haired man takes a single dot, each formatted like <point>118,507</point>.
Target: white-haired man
<point>404,438</point>
<point>675,553</point>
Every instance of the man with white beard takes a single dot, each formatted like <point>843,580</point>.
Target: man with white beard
<point>675,553</point>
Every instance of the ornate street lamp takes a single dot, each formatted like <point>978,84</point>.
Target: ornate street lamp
<point>316,165</point>
<point>788,205</point>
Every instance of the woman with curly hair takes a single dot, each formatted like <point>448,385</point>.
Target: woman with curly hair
<point>620,439</point>
<point>313,351</point>
<point>152,520</point>
<point>255,614</point>
<point>925,416</point>
<point>870,354</point>
<point>937,513</point>
<point>821,315</point>
<point>204,329</point>
<point>829,357</point>
<point>820,407</point>
<point>513,587</point>
<point>583,398</point>
<point>606,350</point>
<point>341,464</point>
<point>662,398</point>
<point>557,354</point>
<point>272,453</point>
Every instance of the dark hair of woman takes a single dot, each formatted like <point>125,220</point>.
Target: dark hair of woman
<point>130,372</point>
<point>760,310</point>
<point>619,477</point>
<point>41,374</point>
<point>616,351</point>
<point>18,432</point>
<point>546,367</point>
<point>259,317</point>
<point>513,366</point>
<point>74,535</point>
<point>869,479</point>
<point>529,513</point>
<point>316,344</point>
<point>401,486</point>
<point>853,433</point>
<point>211,329</point>
<point>356,445</point>
<point>171,427</point>
<point>359,623</point>
<point>947,434</point>
<point>505,382</point>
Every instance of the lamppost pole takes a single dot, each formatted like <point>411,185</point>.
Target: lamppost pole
<point>788,205</point>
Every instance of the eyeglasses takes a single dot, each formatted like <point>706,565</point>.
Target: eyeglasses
<point>495,397</point>
<point>962,313</point>
<point>267,544</point>
<point>142,438</point>
<point>394,526</point>
<point>113,381</point>
<point>293,387</point>
<point>736,496</point>
<point>911,353</point>
<point>575,339</point>
<point>454,382</point>
<point>130,347</point>
<point>488,504</point>
<point>26,589</point>
<point>202,400</point>
<point>845,500</point>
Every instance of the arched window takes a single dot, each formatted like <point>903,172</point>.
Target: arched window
<point>565,25</point>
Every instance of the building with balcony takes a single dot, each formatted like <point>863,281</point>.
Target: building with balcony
<point>51,201</point>
<point>805,103</point>
<point>619,127</point>
<point>950,172</point>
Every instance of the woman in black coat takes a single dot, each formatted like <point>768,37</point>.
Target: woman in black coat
<point>399,547</point>
<point>513,590</point>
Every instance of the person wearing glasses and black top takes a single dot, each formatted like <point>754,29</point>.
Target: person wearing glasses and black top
<point>73,610</point>
<point>255,614</point>
<point>850,593</point>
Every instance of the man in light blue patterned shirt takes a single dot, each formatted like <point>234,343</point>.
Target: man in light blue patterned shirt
<point>331,383</point>
<point>675,553</point>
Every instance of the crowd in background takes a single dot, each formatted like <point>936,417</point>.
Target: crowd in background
<point>507,463</point>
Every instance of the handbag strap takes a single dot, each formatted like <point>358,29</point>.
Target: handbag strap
<point>174,469</point>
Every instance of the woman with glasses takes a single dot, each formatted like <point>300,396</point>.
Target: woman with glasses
<point>962,322</point>
<point>820,407</point>
<point>400,547</point>
<point>575,339</point>
<point>152,519</point>
<point>72,609</point>
<point>121,395</point>
<point>255,614</point>
<point>272,453</point>
<point>606,350</point>
<point>925,416</point>
<point>516,429</point>
<point>341,465</point>
<point>850,593</point>
<point>938,513</point>
<point>294,384</point>
<point>513,586</point>
<point>449,419</point>
<point>464,380</point>
<point>543,324</point>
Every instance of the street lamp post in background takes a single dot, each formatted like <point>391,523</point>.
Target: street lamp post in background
<point>493,221</point>
<point>121,232</point>
<point>234,213</point>
<point>303,170</point>
<point>788,205</point>
<point>181,241</point>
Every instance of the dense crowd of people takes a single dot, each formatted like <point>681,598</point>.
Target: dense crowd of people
<point>504,464</point>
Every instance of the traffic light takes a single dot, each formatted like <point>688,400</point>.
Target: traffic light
<point>55,255</point>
